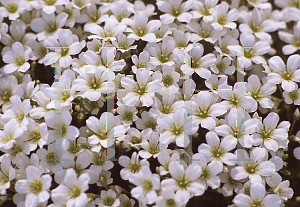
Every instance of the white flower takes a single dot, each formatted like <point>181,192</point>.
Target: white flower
<point>229,183</point>
<point>93,15</point>
<point>209,174</point>
<point>292,40</point>
<point>36,134</point>
<point>35,186</point>
<point>142,91</point>
<point>238,128</point>
<point>134,138</point>
<point>12,8</point>
<point>255,22</point>
<point>107,198</point>
<point>280,188</point>
<point>162,53</point>
<point>140,6</point>
<point>236,97</point>
<point>19,111</point>
<point>92,85</point>
<point>261,93</point>
<point>177,128</point>
<point>223,18</point>
<point>61,129</point>
<point>183,181</point>
<point>3,26</point>
<point>73,189</point>
<point>257,197</point>
<point>175,10</point>
<point>124,44</point>
<point>152,147</point>
<point>49,25</point>
<point>127,114</point>
<point>201,9</point>
<point>131,166</point>
<point>17,58</point>
<point>121,10</point>
<point>287,75</point>
<point>253,168</point>
<point>73,13</point>
<point>250,51</point>
<point>196,62</point>
<point>142,62</point>
<point>67,45</point>
<point>204,107</point>
<point>168,199</point>
<point>146,122</point>
<point>49,7</point>
<point>215,151</point>
<point>204,31</point>
<point>103,131</point>
<point>140,28</point>
<point>222,67</point>
<point>7,173</point>
<point>10,133</point>
<point>146,183</point>
<point>165,159</point>
<point>111,30</point>
<point>292,97</point>
<point>270,136</point>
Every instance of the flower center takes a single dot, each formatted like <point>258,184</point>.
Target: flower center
<point>50,158</point>
<point>170,202</point>
<point>294,95</point>
<point>255,27</point>
<point>287,75</point>
<point>50,2</point>
<point>108,201</point>
<point>222,20</point>
<point>79,3</point>
<point>204,11</point>
<point>167,80</point>
<point>35,136</point>
<point>73,148</point>
<point>136,140</point>
<point>76,191</point>
<point>51,27</point>
<point>134,167</point>
<point>127,116</point>
<point>6,96</point>
<point>12,7</point>
<point>94,83</point>
<point>251,168</point>
<point>8,137</point>
<point>177,130</point>
<point>151,124</point>
<point>19,61</point>
<point>153,149</point>
<point>164,58</point>
<point>166,109</point>
<point>248,52</point>
<point>221,66</point>
<point>64,51</point>
<point>102,135</point>
<point>65,95</point>
<point>183,184</point>
<point>147,185</point>
<point>141,89</point>
<point>205,174</point>
<point>36,186</point>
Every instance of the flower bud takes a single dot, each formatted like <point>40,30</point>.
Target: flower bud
<point>80,116</point>
<point>296,114</point>
<point>91,197</point>
<point>77,108</point>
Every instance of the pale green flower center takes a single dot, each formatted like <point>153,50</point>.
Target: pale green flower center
<point>164,58</point>
<point>205,11</point>
<point>36,186</point>
<point>50,2</point>
<point>102,135</point>
<point>257,203</point>
<point>177,130</point>
<point>9,136</point>
<point>222,20</point>
<point>151,124</point>
<point>234,100</point>
<point>20,116</point>
<point>74,148</point>
<point>255,27</point>
<point>201,113</point>
<point>256,95</point>
<point>51,27</point>
<point>204,34</point>
<point>251,167</point>
<point>64,51</point>
<point>153,149</point>
<point>167,80</point>
<point>121,15</point>
<point>287,75</point>
<point>141,65</point>
<point>205,174</point>
<point>231,181</point>
<point>75,191</point>
<point>183,183</point>
<point>136,140</point>
<point>166,109</point>
<point>147,185</point>
<point>221,66</point>
<point>127,116</point>
<point>94,83</point>
<point>108,201</point>
<point>79,3</point>
<point>12,7</point>
<point>34,135</point>
<point>195,63</point>
<point>134,167</point>
<point>3,179</point>
<point>19,61</point>
<point>217,152</point>
<point>50,158</point>
<point>140,89</point>
<point>248,52</point>
<point>123,45</point>
<point>170,202</point>
<point>224,49</point>
<point>266,134</point>
<point>293,95</point>
<point>16,148</point>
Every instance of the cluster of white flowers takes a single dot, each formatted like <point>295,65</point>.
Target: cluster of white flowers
<point>151,105</point>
